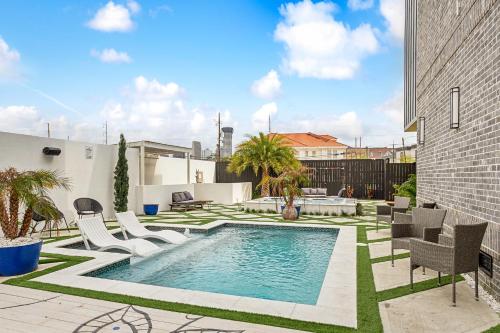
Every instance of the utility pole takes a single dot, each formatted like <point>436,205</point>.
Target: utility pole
<point>360,142</point>
<point>218,138</point>
<point>269,122</point>
<point>404,151</point>
<point>106,132</point>
<point>355,142</point>
<point>48,130</point>
<point>393,152</point>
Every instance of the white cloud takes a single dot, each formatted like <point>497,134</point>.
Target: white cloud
<point>360,4</point>
<point>260,118</point>
<point>111,56</point>
<point>318,46</point>
<point>267,87</point>
<point>394,13</point>
<point>393,109</point>
<point>9,60</point>
<point>28,120</point>
<point>114,17</point>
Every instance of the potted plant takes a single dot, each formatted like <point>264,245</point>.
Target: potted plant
<point>22,193</point>
<point>288,186</point>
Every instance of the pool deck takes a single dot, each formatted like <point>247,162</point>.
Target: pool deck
<point>336,302</point>
<point>31,310</point>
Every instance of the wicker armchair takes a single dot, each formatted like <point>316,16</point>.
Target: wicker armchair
<point>38,218</point>
<point>385,213</point>
<point>87,206</point>
<point>422,223</point>
<point>452,255</point>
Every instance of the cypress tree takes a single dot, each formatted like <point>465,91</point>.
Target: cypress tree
<point>121,177</point>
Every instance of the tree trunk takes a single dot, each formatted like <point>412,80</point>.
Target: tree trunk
<point>25,227</point>
<point>4,221</point>
<point>290,213</point>
<point>10,226</point>
<point>264,190</point>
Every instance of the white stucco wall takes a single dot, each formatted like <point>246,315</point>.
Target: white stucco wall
<point>171,171</point>
<point>89,177</point>
<point>223,193</point>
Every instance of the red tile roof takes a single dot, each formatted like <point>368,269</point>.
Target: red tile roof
<point>309,140</point>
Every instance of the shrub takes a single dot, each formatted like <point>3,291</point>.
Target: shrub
<point>408,189</point>
<point>359,209</point>
<point>121,178</point>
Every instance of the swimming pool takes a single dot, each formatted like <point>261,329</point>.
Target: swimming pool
<point>327,205</point>
<point>275,263</point>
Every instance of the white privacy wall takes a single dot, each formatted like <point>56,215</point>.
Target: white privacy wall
<point>89,177</point>
<point>171,171</point>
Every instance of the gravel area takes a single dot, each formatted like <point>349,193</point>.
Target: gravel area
<point>4,242</point>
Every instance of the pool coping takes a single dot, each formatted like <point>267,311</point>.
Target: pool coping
<point>336,304</point>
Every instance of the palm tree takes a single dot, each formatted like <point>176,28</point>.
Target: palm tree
<point>288,185</point>
<point>27,189</point>
<point>262,153</point>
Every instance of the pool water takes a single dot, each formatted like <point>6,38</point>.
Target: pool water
<point>286,264</point>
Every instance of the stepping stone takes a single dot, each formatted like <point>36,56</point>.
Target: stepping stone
<point>246,216</point>
<point>387,277</point>
<point>367,218</point>
<point>265,219</point>
<point>382,249</point>
<point>341,220</point>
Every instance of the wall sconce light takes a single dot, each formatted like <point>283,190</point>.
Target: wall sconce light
<point>455,107</point>
<point>421,130</point>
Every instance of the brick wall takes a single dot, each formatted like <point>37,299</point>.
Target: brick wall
<point>460,168</point>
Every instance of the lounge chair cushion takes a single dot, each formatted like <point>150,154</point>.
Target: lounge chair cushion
<point>321,191</point>
<point>188,195</point>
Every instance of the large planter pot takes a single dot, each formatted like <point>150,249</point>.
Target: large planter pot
<point>290,213</point>
<point>297,207</point>
<point>151,209</point>
<point>19,259</point>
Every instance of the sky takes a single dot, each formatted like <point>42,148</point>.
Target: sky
<point>162,70</point>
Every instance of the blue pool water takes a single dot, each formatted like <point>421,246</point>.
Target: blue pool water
<point>283,264</point>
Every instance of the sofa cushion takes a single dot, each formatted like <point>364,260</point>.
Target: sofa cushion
<point>313,191</point>
<point>321,191</point>
<point>188,195</point>
<point>306,190</point>
<point>176,197</point>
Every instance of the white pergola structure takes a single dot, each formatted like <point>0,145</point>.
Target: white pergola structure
<point>155,149</point>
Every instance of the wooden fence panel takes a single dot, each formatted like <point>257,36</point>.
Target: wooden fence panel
<point>375,176</point>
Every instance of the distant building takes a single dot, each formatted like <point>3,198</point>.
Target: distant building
<point>407,154</point>
<point>368,153</point>
<point>207,154</point>
<point>310,146</point>
<point>227,142</point>
<point>196,150</point>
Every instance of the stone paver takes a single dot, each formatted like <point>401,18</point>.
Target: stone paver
<point>381,233</point>
<point>388,277</point>
<point>29,310</point>
<point>431,312</point>
<point>382,249</point>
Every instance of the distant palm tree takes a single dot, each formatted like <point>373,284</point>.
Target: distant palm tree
<point>262,153</point>
<point>27,190</point>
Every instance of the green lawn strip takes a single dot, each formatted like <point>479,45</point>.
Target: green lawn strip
<point>388,258</point>
<point>368,314</point>
<point>380,240</point>
<point>417,287</point>
<point>494,329</point>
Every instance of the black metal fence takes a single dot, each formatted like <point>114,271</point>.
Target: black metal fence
<point>369,178</point>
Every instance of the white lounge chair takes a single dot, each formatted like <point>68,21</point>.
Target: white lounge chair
<point>94,230</point>
<point>129,222</point>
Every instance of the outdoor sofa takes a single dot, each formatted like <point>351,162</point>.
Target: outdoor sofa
<point>185,201</point>
<point>314,192</point>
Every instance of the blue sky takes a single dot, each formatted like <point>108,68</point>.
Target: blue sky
<point>161,70</point>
